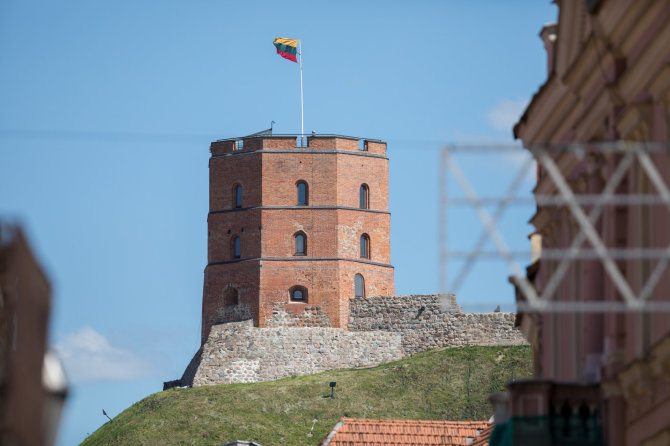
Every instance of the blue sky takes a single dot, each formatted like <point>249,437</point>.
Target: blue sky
<point>107,110</point>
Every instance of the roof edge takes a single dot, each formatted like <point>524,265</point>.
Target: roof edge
<point>326,441</point>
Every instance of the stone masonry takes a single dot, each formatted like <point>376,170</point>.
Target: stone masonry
<point>427,322</point>
<point>239,352</point>
<point>380,329</point>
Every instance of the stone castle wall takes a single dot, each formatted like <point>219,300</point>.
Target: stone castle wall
<point>380,329</point>
<point>239,352</point>
<point>432,321</point>
<point>296,315</point>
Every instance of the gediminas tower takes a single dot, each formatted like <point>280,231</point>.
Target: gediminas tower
<point>301,226</point>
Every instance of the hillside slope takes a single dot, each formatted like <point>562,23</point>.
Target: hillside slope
<point>451,384</point>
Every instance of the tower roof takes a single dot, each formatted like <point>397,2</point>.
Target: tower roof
<point>268,132</point>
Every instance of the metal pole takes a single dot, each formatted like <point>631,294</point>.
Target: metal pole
<point>442,230</point>
<point>302,129</point>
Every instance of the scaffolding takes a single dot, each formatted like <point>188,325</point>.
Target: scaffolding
<point>584,210</point>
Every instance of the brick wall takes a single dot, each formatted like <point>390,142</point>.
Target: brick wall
<point>351,225</point>
<point>280,225</point>
<point>268,170</point>
<point>243,277</point>
<point>281,172</point>
<point>225,172</point>
<point>223,227</point>
<point>318,277</point>
<point>356,170</point>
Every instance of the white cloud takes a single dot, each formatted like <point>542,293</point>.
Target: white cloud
<point>89,356</point>
<point>506,113</point>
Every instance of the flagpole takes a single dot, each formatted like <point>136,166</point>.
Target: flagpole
<point>302,129</point>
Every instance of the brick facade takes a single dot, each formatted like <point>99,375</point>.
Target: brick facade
<point>268,169</point>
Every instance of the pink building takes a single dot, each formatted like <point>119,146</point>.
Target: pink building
<point>602,340</point>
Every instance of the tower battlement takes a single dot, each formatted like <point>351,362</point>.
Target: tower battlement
<point>298,224</point>
<point>267,141</point>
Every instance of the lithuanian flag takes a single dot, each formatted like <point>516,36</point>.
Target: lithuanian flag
<point>286,48</point>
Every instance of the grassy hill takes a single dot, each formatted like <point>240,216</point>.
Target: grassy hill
<point>451,384</point>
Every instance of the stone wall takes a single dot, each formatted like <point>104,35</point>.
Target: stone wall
<point>295,314</point>
<point>238,352</point>
<point>233,313</point>
<point>298,340</point>
<point>432,321</point>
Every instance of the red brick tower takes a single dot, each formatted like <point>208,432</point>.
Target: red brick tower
<point>296,225</point>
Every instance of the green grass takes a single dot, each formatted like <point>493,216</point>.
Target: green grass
<point>450,384</point>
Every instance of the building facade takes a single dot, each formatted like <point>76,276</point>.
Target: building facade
<point>33,389</point>
<point>297,226</point>
<point>602,364</point>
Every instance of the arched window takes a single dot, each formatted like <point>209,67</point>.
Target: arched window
<point>303,195</point>
<point>365,246</point>
<point>359,286</point>
<point>364,199</point>
<point>237,247</point>
<point>300,243</point>
<point>237,196</point>
<point>298,293</point>
<point>231,297</point>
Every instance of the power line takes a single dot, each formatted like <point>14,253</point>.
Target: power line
<point>106,136</point>
<point>161,137</point>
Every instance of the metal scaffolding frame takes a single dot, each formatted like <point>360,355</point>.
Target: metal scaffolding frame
<point>629,154</point>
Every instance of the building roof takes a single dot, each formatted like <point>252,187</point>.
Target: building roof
<point>241,443</point>
<point>363,432</point>
<point>483,438</point>
<point>268,134</point>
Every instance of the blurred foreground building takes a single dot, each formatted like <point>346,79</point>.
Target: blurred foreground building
<point>599,323</point>
<point>32,383</point>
